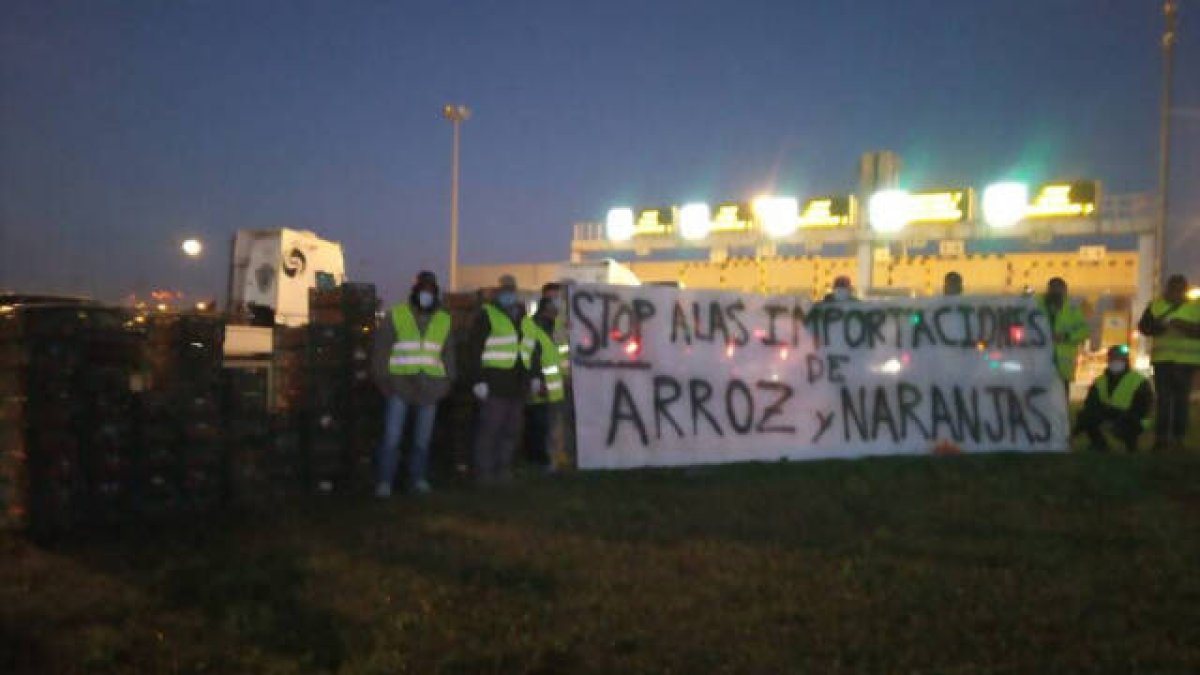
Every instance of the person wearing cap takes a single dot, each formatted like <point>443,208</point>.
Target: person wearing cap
<point>544,413</point>
<point>1068,328</point>
<point>413,366</point>
<point>952,284</point>
<point>497,367</point>
<point>1172,322</point>
<point>1119,401</point>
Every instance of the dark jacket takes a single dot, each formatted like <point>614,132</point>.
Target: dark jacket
<point>511,383</point>
<point>418,389</point>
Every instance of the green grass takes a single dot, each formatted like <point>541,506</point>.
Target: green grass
<point>970,564</point>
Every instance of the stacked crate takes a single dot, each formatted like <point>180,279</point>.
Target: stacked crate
<point>248,432</point>
<point>455,429</point>
<point>343,406</point>
<point>183,463</point>
<point>66,438</point>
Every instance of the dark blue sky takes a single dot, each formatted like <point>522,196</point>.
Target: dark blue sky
<point>127,125</point>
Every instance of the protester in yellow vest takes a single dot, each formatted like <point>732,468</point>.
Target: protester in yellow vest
<point>1119,401</point>
<point>413,366</point>
<point>544,414</point>
<point>500,380</point>
<point>1068,327</point>
<point>1173,324</point>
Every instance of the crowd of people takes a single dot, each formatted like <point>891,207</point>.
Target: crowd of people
<point>516,364</point>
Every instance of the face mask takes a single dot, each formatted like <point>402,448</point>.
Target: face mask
<point>506,298</point>
<point>841,293</point>
<point>1116,367</point>
<point>425,299</point>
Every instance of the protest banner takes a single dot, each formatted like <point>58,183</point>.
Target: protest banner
<point>664,376</point>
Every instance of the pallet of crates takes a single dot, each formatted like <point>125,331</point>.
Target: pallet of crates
<point>327,408</point>
<point>454,431</point>
<point>365,419</point>
<point>108,432</point>
<point>14,465</point>
<point>248,431</point>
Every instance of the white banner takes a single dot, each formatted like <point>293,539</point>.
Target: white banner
<point>663,376</point>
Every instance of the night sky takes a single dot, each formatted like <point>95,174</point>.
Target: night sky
<point>128,125</point>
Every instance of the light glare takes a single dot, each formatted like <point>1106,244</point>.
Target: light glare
<point>619,225</point>
<point>890,210</point>
<point>695,221</point>
<point>1004,204</point>
<point>779,216</point>
<point>192,248</point>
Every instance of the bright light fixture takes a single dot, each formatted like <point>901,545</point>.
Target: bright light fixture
<point>619,225</point>
<point>1194,293</point>
<point>890,210</point>
<point>192,248</point>
<point>778,216</point>
<point>695,221</point>
<point>1004,204</point>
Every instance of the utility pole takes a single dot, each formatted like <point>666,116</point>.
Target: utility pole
<point>1170,14</point>
<point>457,114</point>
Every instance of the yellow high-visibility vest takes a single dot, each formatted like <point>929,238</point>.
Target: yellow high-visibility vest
<point>1069,320</point>
<point>501,350</point>
<point>552,371</point>
<point>413,352</point>
<point>1173,346</point>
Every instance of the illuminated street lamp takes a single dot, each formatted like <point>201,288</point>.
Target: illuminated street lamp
<point>695,221</point>
<point>457,114</point>
<point>1004,204</point>
<point>619,224</point>
<point>889,210</point>
<point>192,248</point>
<point>778,216</point>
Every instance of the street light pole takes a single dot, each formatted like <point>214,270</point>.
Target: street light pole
<point>1170,12</point>
<point>457,114</point>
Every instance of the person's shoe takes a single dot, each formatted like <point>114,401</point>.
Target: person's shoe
<point>422,487</point>
<point>383,490</point>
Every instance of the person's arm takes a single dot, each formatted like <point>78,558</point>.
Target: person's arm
<point>1143,402</point>
<point>381,354</point>
<point>1146,325</point>
<point>449,352</point>
<point>1079,330</point>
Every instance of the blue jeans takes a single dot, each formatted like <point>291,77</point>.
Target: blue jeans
<point>388,456</point>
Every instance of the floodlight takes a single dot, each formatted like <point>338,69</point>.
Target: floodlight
<point>778,216</point>
<point>695,221</point>
<point>1004,204</point>
<point>619,225</point>
<point>890,210</point>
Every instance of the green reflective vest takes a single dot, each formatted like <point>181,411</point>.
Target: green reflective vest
<point>500,350</point>
<point>552,360</point>
<point>1070,321</point>
<point>414,353</point>
<point>1122,397</point>
<point>1173,346</point>
<point>561,338</point>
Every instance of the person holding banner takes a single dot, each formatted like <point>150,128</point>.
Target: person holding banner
<point>544,414</point>
<point>1068,326</point>
<point>1119,401</point>
<point>501,382</point>
<point>1173,323</point>
<point>413,366</point>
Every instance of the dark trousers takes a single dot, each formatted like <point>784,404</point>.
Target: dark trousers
<point>1093,422</point>
<point>1172,386</point>
<point>496,438</point>
<point>537,434</point>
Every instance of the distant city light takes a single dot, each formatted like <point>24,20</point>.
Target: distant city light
<point>695,221</point>
<point>619,225</point>
<point>779,216</point>
<point>1005,204</point>
<point>890,210</point>
<point>192,248</point>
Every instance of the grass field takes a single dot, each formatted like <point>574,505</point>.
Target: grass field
<point>969,564</point>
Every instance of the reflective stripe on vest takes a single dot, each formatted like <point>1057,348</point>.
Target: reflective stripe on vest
<point>413,353</point>
<point>552,361</point>
<point>1173,346</point>
<point>1122,398</point>
<point>500,350</point>
<point>1069,320</point>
